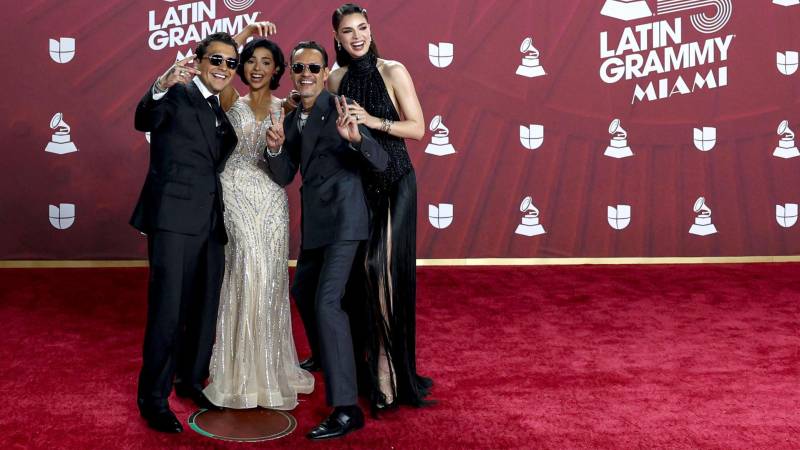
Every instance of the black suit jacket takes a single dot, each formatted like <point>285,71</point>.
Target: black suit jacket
<point>187,153</point>
<point>334,206</point>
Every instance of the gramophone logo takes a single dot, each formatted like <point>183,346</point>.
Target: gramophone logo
<point>786,215</point>
<point>60,142</point>
<point>530,225</point>
<point>702,225</point>
<point>62,216</point>
<point>530,66</point>
<point>531,136</point>
<point>786,2</point>
<point>440,142</point>
<point>441,54</point>
<point>786,146</point>
<point>705,138</point>
<point>788,62</point>
<point>63,50</point>
<point>618,147</point>
<point>441,215</point>
<point>619,217</point>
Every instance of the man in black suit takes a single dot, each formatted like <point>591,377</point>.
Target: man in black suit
<point>180,210</point>
<point>323,141</point>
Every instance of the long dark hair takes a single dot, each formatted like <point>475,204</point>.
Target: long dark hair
<point>342,57</point>
<point>277,58</point>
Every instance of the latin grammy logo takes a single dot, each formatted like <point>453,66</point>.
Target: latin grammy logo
<point>441,55</point>
<point>530,225</point>
<point>786,147</point>
<point>62,216</point>
<point>60,142</point>
<point>788,62</point>
<point>786,215</point>
<point>619,217</point>
<point>702,222</point>
<point>618,147</point>
<point>440,142</point>
<point>531,136</point>
<point>440,216</point>
<point>63,50</point>
<point>786,2</point>
<point>705,138</point>
<point>530,66</point>
<point>238,5</point>
<point>626,10</point>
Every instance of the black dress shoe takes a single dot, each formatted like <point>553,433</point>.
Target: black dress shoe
<point>339,423</point>
<point>163,421</point>
<point>197,396</point>
<point>310,364</point>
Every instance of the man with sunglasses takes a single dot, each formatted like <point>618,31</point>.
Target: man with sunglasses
<point>180,211</point>
<point>322,140</point>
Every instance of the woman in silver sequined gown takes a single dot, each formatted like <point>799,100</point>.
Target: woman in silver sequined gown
<point>254,362</point>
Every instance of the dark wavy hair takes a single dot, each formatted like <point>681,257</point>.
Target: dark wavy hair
<point>342,57</point>
<point>277,57</point>
<point>312,45</point>
<point>225,38</point>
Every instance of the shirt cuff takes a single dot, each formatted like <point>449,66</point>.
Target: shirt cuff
<point>158,94</point>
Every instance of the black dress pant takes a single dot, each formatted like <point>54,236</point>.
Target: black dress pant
<point>183,298</point>
<point>319,287</point>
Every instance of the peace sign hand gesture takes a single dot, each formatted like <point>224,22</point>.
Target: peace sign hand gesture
<point>275,135</point>
<point>345,123</point>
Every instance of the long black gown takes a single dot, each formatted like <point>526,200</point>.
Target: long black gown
<point>389,269</point>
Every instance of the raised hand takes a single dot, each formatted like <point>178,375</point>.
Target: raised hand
<point>291,101</point>
<point>275,135</point>
<point>262,28</point>
<point>180,72</point>
<point>346,123</point>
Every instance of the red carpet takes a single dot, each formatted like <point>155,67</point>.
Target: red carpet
<point>523,357</point>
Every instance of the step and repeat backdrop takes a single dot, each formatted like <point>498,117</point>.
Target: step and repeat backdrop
<point>570,128</point>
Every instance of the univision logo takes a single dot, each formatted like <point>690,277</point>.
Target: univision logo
<point>705,138</point>
<point>63,50</point>
<point>62,216</point>
<point>619,217</point>
<point>788,62</point>
<point>531,136</point>
<point>441,215</point>
<point>441,54</point>
<point>786,215</point>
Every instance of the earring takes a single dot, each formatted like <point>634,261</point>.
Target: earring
<point>338,45</point>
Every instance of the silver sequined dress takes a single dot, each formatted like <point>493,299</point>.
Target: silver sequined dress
<point>254,362</point>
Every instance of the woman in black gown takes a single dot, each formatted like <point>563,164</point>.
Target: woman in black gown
<point>385,102</point>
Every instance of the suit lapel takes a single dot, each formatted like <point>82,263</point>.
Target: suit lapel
<point>320,114</point>
<point>206,117</point>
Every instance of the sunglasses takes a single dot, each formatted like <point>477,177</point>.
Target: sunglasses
<point>300,67</point>
<point>216,60</point>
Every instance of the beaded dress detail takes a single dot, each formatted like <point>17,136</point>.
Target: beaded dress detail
<point>254,362</point>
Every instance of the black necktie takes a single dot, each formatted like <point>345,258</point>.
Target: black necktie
<point>214,102</point>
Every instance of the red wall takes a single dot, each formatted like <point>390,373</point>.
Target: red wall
<point>483,103</point>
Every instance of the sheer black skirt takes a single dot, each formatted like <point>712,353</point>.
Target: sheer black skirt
<point>382,297</point>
